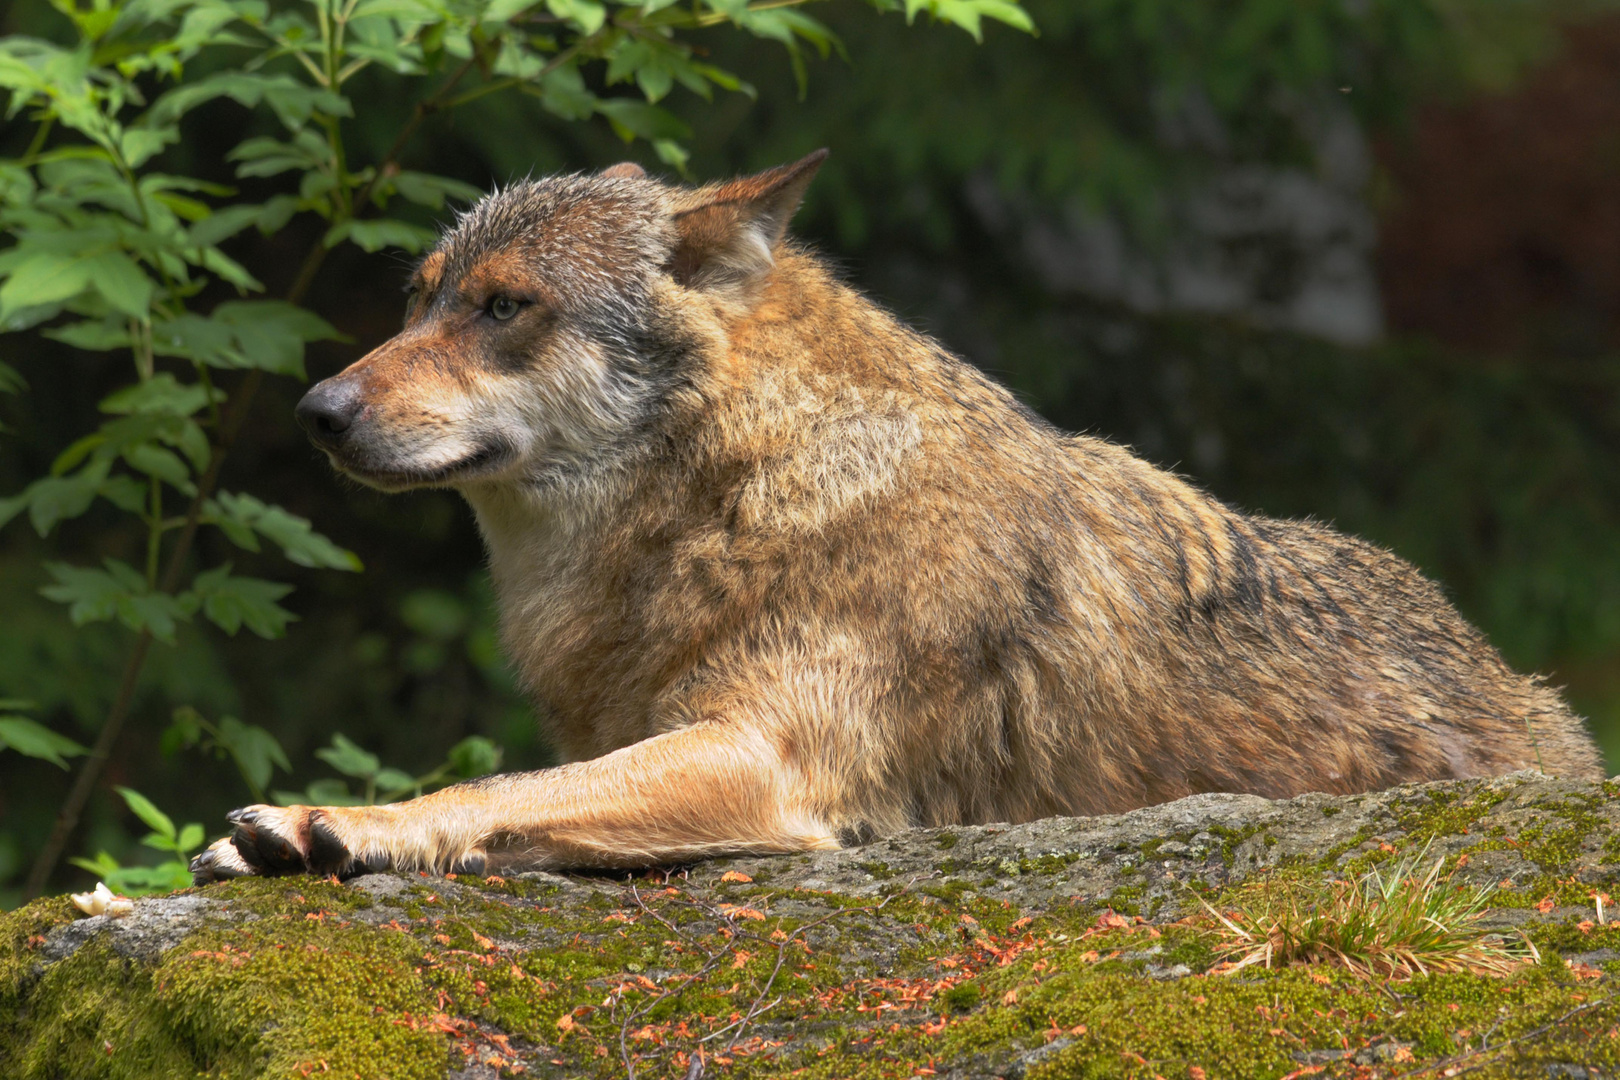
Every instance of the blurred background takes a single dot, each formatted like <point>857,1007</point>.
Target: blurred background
<point>1346,260</point>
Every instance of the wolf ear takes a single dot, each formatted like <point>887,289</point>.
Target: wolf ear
<point>727,232</point>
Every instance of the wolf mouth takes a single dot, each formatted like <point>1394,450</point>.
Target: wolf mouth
<point>481,462</point>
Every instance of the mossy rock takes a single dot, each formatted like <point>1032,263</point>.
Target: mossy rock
<point>1060,948</point>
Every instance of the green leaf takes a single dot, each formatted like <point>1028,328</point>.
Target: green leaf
<point>348,759</point>
<point>205,340</point>
<point>474,756</point>
<point>140,145</point>
<point>293,102</point>
<point>53,499</point>
<point>10,381</point>
<point>155,819</point>
<point>42,278</point>
<point>161,395</point>
<point>36,741</point>
<point>103,866</point>
<point>264,156</point>
<point>425,189</point>
<point>633,119</point>
<point>224,223</point>
<point>391,783</point>
<point>124,492</point>
<point>232,602</point>
<point>93,335</point>
<point>398,9</point>
<point>435,613</point>
<point>166,465</point>
<point>118,592</point>
<point>564,94</point>
<point>375,235</point>
<point>672,153</point>
<point>328,792</point>
<point>191,837</point>
<point>143,880</point>
<point>297,540</point>
<point>268,334</point>
<point>77,451</point>
<point>185,730</point>
<point>121,283</point>
<point>256,751</point>
<point>587,16</point>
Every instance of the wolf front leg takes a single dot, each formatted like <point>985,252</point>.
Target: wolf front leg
<point>702,790</point>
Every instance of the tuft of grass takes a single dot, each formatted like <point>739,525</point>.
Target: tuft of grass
<point>1391,923</point>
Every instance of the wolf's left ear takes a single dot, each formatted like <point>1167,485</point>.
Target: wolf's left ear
<point>727,232</point>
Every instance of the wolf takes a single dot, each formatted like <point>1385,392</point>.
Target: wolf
<point>785,574</point>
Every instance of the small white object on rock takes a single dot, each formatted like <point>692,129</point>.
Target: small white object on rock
<point>103,901</point>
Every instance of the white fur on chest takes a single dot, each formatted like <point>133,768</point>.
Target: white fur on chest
<point>540,551</point>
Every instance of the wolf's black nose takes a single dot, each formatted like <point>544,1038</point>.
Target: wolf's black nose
<point>328,409</point>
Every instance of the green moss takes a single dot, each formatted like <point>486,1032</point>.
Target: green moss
<point>1047,864</point>
<point>299,986</point>
<point>948,891</point>
<point>1231,839</point>
<point>964,998</point>
<point>1444,813</point>
<point>945,841</point>
<point>927,976</point>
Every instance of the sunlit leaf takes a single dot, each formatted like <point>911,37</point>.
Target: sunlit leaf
<point>379,234</point>
<point>475,756</point>
<point>155,819</point>
<point>349,759</point>
<point>294,535</point>
<point>36,741</point>
<point>231,602</point>
<point>161,395</point>
<point>256,751</point>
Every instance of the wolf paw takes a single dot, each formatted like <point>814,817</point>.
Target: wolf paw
<point>273,840</point>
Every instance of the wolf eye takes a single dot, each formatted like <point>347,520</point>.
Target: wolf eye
<point>503,307</point>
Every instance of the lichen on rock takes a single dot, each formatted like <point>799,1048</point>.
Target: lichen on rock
<point>1069,947</point>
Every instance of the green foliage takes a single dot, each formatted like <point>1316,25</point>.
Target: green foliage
<point>168,875</point>
<point>472,756</point>
<point>32,739</point>
<point>253,750</point>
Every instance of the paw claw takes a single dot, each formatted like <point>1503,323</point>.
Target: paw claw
<point>278,854</point>
<point>327,853</point>
<point>246,841</point>
<point>473,862</point>
<point>220,862</point>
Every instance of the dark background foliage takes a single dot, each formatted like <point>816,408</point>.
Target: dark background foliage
<point>1361,269</point>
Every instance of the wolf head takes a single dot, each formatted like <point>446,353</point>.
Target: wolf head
<point>547,325</point>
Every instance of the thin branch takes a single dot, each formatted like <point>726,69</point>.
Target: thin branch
<point>709,965</point>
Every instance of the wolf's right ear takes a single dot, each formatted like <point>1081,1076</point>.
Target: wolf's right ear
<point>728,232</point>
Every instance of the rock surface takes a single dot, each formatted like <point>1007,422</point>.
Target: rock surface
<point>1064,947</point>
